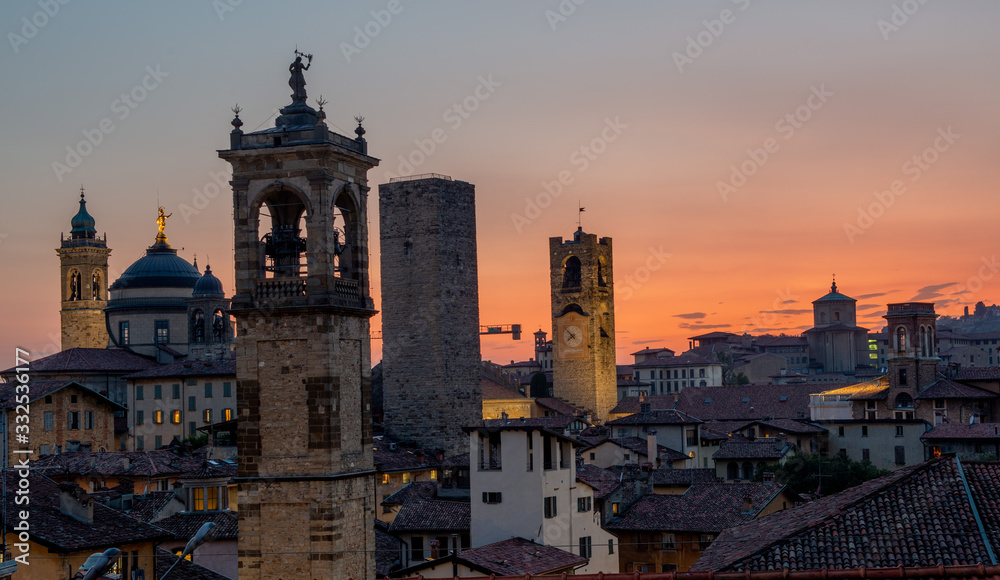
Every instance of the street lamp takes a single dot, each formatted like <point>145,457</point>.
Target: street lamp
<point>193,543</point>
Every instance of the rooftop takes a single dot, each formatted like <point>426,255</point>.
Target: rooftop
<point>703,507</point>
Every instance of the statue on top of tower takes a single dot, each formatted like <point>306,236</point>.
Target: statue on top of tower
<point>298,80</point>
<point>161,223</point>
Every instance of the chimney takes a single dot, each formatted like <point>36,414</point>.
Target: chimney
<point>439,454</point>
<point>75,503</point>
<point>748,503</point>
<point>651,455</point>
<point>768,477</point>
<point>72,445</point>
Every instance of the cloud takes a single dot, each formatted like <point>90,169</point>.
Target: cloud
<point>647,341</point>
<point>790,302</point>
<point>698,326</point>
<point>932,291</point>
<point>690,315</point>
<point>876,294</point>
<point>869,306</point>
<point>787,311</point>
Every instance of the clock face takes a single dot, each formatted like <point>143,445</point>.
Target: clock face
<point>573,336</point>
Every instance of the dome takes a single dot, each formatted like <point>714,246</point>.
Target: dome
<point>83,223</point>
<point>161,267</point>
<point>208,284</point>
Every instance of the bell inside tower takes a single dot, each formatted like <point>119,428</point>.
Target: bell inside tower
<point>282,246</point>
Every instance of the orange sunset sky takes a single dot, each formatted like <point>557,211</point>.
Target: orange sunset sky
<point>857,137</point>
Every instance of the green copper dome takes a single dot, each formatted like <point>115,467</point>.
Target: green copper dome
<point>83,223</point>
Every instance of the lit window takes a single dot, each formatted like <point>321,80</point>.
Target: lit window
<point>208,415</point>
<point>406,478</point>
<point>175,417</point>
<point>385,478</point>
<point>227,414</point>
<point>212,501</point>
<point>123,332</point>
<point>162,335</point>
<point>198,497</point>
<point>158,417</point>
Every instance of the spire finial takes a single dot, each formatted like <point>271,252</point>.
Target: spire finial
<point>81,191</point>
<point>196,260</point>
<point>833,288</point>
<point>161,223</point>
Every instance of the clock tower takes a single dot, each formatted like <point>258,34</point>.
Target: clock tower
<point>583,322</point>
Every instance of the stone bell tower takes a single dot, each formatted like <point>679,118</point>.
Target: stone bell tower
<point>83,261</point>
<point>302,309</point>
<point>583,322</point>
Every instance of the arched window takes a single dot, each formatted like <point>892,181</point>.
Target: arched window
<point>732,470</point>
<point>75,286</point>
<point>901,339</point>
<point>219,326</point>
<point>282,245</point>
<point>571,273</point>
<point>601,276</point>
<point>904,401</point>
<point>747,470</point>
<point>198,326</point>
<point>95,287</point>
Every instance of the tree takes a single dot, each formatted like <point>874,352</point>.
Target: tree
<point>801,473</point>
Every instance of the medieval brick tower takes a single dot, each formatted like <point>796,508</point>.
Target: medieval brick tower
<point>83,260</point>
<point>912,357</point>
<point>302,309</point>
<point>430,311</point>
<point>583,322</point>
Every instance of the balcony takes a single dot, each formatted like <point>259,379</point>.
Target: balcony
<point>276,288</point>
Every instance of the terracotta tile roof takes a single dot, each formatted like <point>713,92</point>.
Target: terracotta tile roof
<point>648,350</point>
<point>876,390</point>
<point>517,556</point>
<point>946,389</point>
<point>760,448</point>
<point>748,402</point>
<point>559,406</point>
<point>493,391</point>
<point>978,374</point>
<point>683,476</point>
<point>792,426</point>
<point>658,417</point>
<point>916,516</point>
<point>63,534</point>
<point>402,458</point>
<point>551,422</point>
<point>600,480</point>
<point>134,464</point>
<point>189,369</point>
<point>719,430</point>
<point>386,552</point>
<point>433,515</point>
<point>462,460</point>
<point>185,525</point>
<point>185,570</point>
<point>38,388</point>
<point>90,360</point>
<point>703,507</point>
<point>146,508</point>
<point>714,334</point>
<point>687,359</point>
<point>964,431</point>
<point>412,490</point>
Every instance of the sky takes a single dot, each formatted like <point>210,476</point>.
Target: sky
<point>738,152</point>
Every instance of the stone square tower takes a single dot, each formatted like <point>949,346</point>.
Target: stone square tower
<point>583,322</point>
<point>912,355</point>
<point>430,311</point>
<point>83,261</point>
<point>303,378</point>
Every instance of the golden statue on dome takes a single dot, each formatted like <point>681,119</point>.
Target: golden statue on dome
<point>161,223</point>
